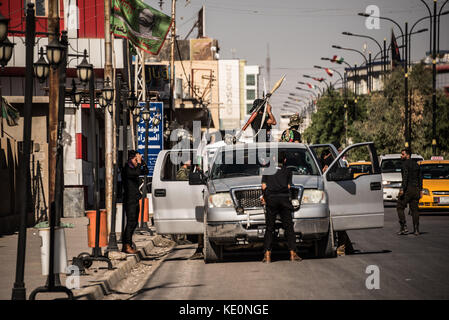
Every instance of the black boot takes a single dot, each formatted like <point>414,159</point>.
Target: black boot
<point>416,229</point>
<point>403,230</point>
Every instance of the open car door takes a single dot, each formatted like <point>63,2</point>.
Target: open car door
<point>355,201</point>
<point>178,206</point>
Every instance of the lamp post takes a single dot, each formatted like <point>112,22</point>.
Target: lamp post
<point>87,76</point>
<point>366,62</point>
<point>367,37</point>
<point>56,54</point>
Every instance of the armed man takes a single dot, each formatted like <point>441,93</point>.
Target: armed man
<point>410,193</point>
<point>292,133</point>
<point>276,196</point>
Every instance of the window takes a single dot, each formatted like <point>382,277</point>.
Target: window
<point>250,80</point>
<point>174,161</point>
<point>250,94</point>
<point>40,7</point>
<point>248,107</point>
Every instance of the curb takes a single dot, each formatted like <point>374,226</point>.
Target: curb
<point>111,278</point>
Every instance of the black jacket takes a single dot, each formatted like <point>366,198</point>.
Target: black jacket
<point>131,181</point>
<point>411,175</point>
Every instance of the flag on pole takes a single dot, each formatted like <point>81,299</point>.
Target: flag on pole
<point>141,24</point>
<point>337,59</point>
<point>318,79</point>
<point>309,85</point>
<point>329,71</point>
<point>395,56</point>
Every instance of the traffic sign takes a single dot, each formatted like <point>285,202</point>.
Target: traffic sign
<point>155,134</point>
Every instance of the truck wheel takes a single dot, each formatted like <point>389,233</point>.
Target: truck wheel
<point>211,250</point>
<point>325,249</point>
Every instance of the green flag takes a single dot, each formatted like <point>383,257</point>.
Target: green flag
<point>141,24</point>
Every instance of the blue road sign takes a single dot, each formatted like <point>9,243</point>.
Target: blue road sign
<point>155,134</point>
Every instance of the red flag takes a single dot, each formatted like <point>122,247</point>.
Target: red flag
<point>329,71</point>
<point>310,86</point>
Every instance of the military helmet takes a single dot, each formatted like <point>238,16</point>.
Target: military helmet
<point>295,120</point>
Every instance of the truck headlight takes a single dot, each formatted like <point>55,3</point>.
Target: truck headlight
<point>426,192</point>
<point>313,196</point>
<point>384,182</point>
<point>220,200</point>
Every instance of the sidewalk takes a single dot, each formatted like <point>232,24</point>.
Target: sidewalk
<point>76,240</point>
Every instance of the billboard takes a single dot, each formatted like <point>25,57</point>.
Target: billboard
<point>229,94</point>
<point>155,134</point>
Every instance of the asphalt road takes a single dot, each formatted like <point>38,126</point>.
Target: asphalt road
<point>409,267</point>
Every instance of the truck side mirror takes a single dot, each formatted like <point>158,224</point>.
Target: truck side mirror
<point>196,178</point>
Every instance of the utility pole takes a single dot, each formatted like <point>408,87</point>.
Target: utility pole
<point>434,77</point>
<point>172,62</point>
<point>108,125</point>
<point>407,111</point>
<point>53,82</point>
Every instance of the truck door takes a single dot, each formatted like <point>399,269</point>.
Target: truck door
<point>355,201</point>
<point>178,206</point>
<point>321,151</point>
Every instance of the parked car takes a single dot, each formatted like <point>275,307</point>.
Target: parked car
<point>391,167</point>
<point>361,167</point>
<point>224,203</point>
<point>435,179</point>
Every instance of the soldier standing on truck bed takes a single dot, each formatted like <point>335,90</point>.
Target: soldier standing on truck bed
<point>276,195</point>
<point>410,192</point>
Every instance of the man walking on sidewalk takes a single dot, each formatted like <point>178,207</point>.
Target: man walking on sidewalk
<point>410,193</point>
<point>130,176</point>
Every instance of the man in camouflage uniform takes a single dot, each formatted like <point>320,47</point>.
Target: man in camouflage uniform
<point>292,133</point>
<point>183,172</point>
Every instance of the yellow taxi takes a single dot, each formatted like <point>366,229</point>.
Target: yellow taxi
<point>435,179</point>
<point>360,167</point>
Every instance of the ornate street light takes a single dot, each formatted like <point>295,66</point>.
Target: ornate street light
<point>156,120</point>
<point>102,102</point>
<point>146,114</point>
<point>76,95</point>
<point>6,47</point>
<point>3,27</point>
<point>41,67</point>
<point>136,112</point>
<point>84,69</point>
<point>55,53</point>
<point>108,91</point>
<point>132,102</point>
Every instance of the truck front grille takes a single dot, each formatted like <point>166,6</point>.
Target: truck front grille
<point>248,198</point>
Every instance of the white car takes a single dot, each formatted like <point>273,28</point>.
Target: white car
<point>391,167</point>
<point>226,207</point>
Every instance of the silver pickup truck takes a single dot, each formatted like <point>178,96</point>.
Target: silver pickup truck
<point>224,203</point>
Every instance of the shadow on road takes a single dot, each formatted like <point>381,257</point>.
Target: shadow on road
<point>162,286</point>
<point>360,252</point>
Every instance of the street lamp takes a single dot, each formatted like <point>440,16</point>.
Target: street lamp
<point>6,47</point>
<point>55,53</point>
<point>108,91</point>
<point>84,69</point>
<point>41,67</point>
<point>132,102</point>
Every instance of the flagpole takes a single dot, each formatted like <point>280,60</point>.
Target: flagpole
<point>170,115</point>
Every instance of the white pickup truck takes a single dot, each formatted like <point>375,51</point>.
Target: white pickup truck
<point>224,203</point>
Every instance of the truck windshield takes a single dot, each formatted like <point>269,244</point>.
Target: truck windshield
<point>435,171</point>
<point>249,162</point>
<point>394,165</point>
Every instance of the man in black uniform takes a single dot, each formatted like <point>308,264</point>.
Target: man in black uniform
<point>131,196</point>
<point>411,191</point>
<point>257,125</point>
<point>276,195</point>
